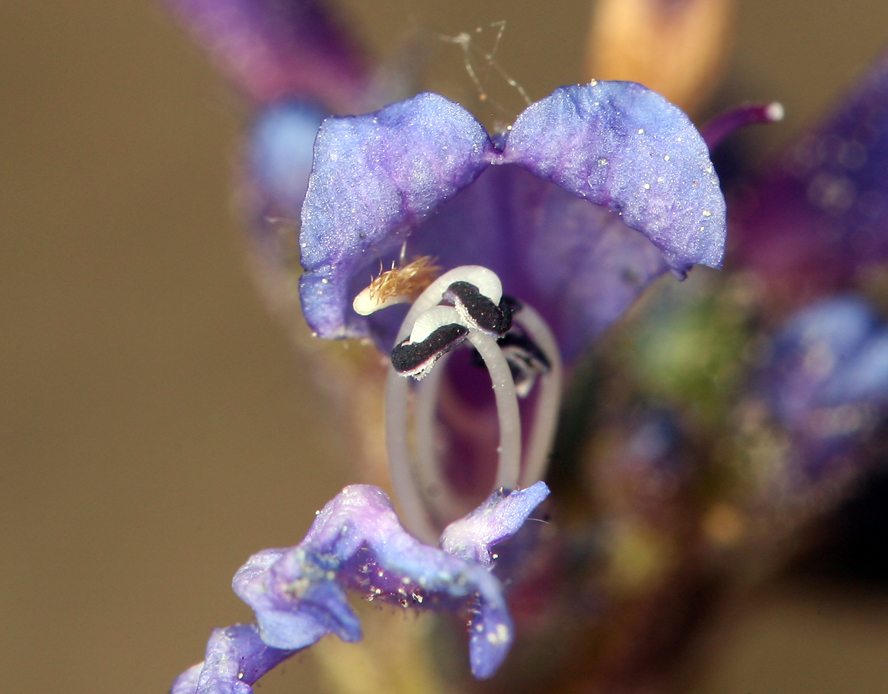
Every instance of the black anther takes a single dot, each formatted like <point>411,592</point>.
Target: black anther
<point>483,312</point>
<point>417,358</point>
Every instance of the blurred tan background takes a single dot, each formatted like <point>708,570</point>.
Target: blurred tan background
<point>156,427</point>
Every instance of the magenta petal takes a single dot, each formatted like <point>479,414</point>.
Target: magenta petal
<point>624,147</point>
<point>273,49</point>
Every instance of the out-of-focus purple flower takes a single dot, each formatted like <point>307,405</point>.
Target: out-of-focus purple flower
<point>827,380</point>
<point>278,49</point>
<point>550,205</point>
<point>821,213</point>
<point>357,543</point>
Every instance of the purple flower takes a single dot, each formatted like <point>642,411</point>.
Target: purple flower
<point>820,213</point>
<point>827,382</point>
<point>552,205</point>
<point>274,50</point>
<point>357,543</point>
<point>524,245</point>
<point>425,171</point>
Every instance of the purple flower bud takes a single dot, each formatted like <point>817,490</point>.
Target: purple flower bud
<point>273,50</point>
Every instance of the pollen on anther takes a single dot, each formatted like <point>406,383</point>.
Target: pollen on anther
<point>397,285</point>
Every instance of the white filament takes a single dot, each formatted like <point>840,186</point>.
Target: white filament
<point>546,416</point>
<point>507,411</point>
<point>412,505</point>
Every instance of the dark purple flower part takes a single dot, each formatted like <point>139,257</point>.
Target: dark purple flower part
<point>822,212</point>
<point>357,543</point>
<point>276,49</point>
<point>403,174</point>
<point>236,658</point>
<point>828,378</point>
<point>732,120</point>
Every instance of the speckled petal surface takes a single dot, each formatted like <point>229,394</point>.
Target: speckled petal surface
<point>357,543</point>
<point>497,519</point>
<point>375,177</point>
<point>624,147</point>
<point>525,211</point>
<point>235,659</point>
<point>273,49</point>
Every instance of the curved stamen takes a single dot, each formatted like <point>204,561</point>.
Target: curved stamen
<point>467,303</point>
<point>439,494</point>
<point>727,123</point>
<point>487,282</point>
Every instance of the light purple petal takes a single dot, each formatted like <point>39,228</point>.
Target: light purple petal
<point>821,212</point>
<point>577,263</point>
<point>274,180</point>
<point>235,659</point>
<point>374,178</point>
<point>357,542</point>
<point>322,608</point>
<point>497,519</point>
<point>274,49</point>
<point>624,147</point>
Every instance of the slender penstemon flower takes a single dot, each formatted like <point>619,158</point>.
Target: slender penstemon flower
<point>384,184</point>
<point>481,266</point>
